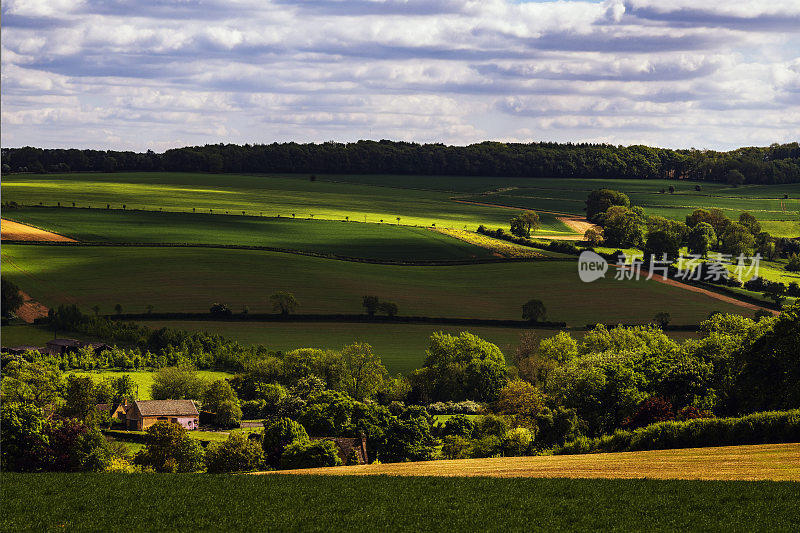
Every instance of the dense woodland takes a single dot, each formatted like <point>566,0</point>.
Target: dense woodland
<point>767,165</point>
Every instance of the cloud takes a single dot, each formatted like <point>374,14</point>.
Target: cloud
<point>143,74</point>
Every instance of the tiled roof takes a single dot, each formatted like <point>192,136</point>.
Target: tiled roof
<point>167,408</point>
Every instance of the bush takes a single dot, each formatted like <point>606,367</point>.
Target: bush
<point>310,455</point>
<point>278,435</point>
<point>490,425</point>
<point>488,446</point>
<point>237,454</point>
<point>458,425</point>
<point>517,441</point>
<point>456,447</point>
<point>170,449</point>
<point>758,428</point>
<point>648,412</point>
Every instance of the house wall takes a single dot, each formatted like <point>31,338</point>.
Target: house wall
<point>189,422</point>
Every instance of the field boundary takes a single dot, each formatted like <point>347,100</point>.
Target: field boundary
<point>375,261</point>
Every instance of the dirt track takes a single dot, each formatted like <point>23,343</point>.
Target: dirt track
<point>14,231</point>
<point>779,462</point>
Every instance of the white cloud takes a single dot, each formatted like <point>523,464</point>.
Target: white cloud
<point>155,74</point>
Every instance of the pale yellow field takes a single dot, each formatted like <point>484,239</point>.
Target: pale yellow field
<point>778,462</point>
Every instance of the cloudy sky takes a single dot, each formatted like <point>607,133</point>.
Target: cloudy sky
<point>155,74</point>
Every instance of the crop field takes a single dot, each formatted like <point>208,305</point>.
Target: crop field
<point>186,502</point>
<point>773,462</point>
<point>190,280</point>
<point>143,380</point>
<point>268,196</point>
<point>353,239</point>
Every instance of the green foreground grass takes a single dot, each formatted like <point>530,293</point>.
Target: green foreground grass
<point>190,280</point>
<point>164,502</point>
<point>143,379</point>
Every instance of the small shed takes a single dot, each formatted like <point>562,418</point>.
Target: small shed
<point>144,413</point>
<point>62,346</point>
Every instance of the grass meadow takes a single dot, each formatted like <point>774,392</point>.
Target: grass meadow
<point>351,239</point>
<point>143,379</point>
<point>186,502</point>
<point>190,280</point>
<point>269,196</point>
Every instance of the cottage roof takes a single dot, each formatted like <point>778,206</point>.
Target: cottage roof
<point>64,342</point>
<point>166,408</point>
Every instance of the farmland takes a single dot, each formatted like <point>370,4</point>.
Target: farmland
<point>143,380</point>
<point>190,280</point>
<point>180,502</point>
<point>269,196</point>
<point>773,462</point>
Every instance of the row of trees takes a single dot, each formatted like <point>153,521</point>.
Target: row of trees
<point>773,164</point>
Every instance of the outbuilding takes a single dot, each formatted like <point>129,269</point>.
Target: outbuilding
<point>142,414</point>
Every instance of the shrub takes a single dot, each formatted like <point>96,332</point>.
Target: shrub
<point>237,454</point>
<point>278,435</point>
<point>458,425</point>
<point>310,455</point>
<point>456,447</point>
<point>758,428</point>
<point>490,425</point>
<point>648,412</point>
<point>169,448</point>
<point>517,441</point>
<point>488,446</point>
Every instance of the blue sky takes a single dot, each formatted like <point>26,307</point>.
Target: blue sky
<point>155,74</point>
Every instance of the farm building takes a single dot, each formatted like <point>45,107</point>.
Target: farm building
<point>59,347</point>
<point>142,414</point>
<point>350,450</point>
<point>117,411</point>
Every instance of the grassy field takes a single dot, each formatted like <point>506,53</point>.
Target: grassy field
<point>353,239</point>
<point>192,279</point>
<point>144,379</point>
<point>181,502</point>
<point>773,462</point>
<point>24,335</point>
<point>269,196</point>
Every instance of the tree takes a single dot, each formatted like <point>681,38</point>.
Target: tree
<point>11,297</point>
<point>220,399</point>
<point>283,302</point>
<point>458,425</point>
<point>737,240</point>
<point>96,310</point>
<point>623,227</point>
<point>661,243</point>
<point>534,311</point>
<point>662,319</point>
<point>33,383</point>
<point>701,239</point>
<point>315,454</point>
<point>750,222</point>
<point>177,383</point>
<point>517,441</point>
<point>79,397</point>
<point>118,309</point>
<point>169,448</point>
<point>278,435</point>
<point>524,223</point>
<point>364,374</point>
<point>594,236</point>
<point>600,200</point>
<point>220,310</point>
<point>519,399</point>
<point>734,178</point>
<point>370,303</point>
<point>389,308</point>
<point>237,453</point>
<point>793,265</point>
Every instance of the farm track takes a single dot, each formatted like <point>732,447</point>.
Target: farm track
<point>776,462</point>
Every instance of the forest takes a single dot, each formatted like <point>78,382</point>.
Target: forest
<point>776,164</point>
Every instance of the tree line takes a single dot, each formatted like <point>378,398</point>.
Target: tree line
<point>778,163</point>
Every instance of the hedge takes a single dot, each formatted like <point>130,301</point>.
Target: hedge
<point>757,428</point>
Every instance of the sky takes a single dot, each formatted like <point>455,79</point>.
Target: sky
<point>158,74</point>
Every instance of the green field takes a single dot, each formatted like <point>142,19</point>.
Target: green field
<point>185,502</point>
<point>24,335</point>
<point>353,239</point>
<point>143,380</point>
<point>190,280</point>
<point>269,196</point>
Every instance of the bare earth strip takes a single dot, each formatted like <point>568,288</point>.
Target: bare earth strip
<point>778,462</point>
<point>14,231</point>
<point>30,309</point>
<point>712,294</point>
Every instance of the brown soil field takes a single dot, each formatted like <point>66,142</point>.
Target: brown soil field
<point>30,309</point>
<point>14,231</point>
<point>777,462</point>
